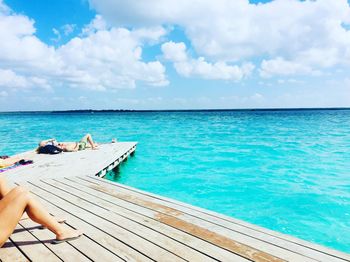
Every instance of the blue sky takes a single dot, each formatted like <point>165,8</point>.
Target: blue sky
<point>113,54</point>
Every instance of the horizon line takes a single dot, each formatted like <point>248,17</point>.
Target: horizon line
<point>177,110</point>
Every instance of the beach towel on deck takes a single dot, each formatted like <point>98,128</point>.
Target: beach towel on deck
<point>3,169</point>
<point>22,162</point>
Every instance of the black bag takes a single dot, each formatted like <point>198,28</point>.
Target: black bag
<point>49,149</point>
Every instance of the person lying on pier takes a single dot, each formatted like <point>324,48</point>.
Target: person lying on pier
<point>15,202</point>
<point>85,142</point>
<point>6,161</point>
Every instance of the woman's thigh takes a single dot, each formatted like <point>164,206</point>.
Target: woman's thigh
<point>12,207</point>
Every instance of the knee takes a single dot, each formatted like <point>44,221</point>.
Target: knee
<point>21,196</point>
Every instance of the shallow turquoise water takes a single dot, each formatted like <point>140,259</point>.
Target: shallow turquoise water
<point>285,170</point>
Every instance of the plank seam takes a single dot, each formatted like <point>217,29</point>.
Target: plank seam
<point>143,224</point>
<point>20,250</point>
<point>232,222</point>
<point>40,241</point>
<point>44,199</point>
<point>185,231</point>
<point>93,225</point>
<point>109,220</point>
<point>194,235</point>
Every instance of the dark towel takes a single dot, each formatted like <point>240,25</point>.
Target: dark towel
<point>49,149</point>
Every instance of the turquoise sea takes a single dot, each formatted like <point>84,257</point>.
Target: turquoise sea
<point>285,170</point>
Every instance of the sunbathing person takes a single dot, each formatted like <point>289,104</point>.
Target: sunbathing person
<point>14,202</point>
<point>85,142</point>
<point>9,161</point>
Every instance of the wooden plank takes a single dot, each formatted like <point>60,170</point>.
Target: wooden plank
<point>32,247</point>
<point>143,231</point>
<point>82,249</point>
<point>121,225</point>
<point>97,216</point>
<point>171,218</point>
<point>95,244</point>
<point>65,251</point>
<point>104,235</point>
<point>245,233</point>
<point>131,209</point>
<point>150,213</point>
<point>158,232</point>
<point>229,222</point>
<point>9,253</point>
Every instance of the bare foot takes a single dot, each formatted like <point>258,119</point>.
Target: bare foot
<point>67,235</point>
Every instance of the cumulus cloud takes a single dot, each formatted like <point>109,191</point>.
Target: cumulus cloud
<point>109,59</point>
<point>187,66</point>
<point>9,79</point>
<point>101,58</point>
<point>280,66</point>
<point>98,23</point>
<point>306,35</point>
<point>175,52</point>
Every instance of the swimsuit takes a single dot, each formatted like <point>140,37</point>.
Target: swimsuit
<point>82,143</point>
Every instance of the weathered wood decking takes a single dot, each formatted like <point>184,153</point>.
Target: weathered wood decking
<point>121,223</point>
<point>81,163</point>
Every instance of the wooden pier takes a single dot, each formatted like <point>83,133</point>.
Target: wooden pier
<point>121,223</point>
<point>81,163</point>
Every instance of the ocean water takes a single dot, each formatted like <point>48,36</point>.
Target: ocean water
<point>285,170</point>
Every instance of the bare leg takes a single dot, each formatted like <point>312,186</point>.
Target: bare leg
<point>91,142</point>
<point>4,190</point>
<point>4,187</point>
<point>12,207</point>
<point>19,200</point>
<point>9,161</point>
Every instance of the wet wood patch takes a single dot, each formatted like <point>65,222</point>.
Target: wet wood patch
<point>217,239</point>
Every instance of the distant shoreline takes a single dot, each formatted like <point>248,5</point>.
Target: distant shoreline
<point>79,111</point>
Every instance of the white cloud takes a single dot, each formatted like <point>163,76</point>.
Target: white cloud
<point>68,29</point>
<point>109,59</point>
<point>151,34</point>
<point>57,33</point>
<point>309,35</point>
<point>9,79</point>
<point>186,66</point>
<point>103,58</point>
<point>98,23</point>
<point>3,8</point>
<point>279,66</point>
<point>175,52</point>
